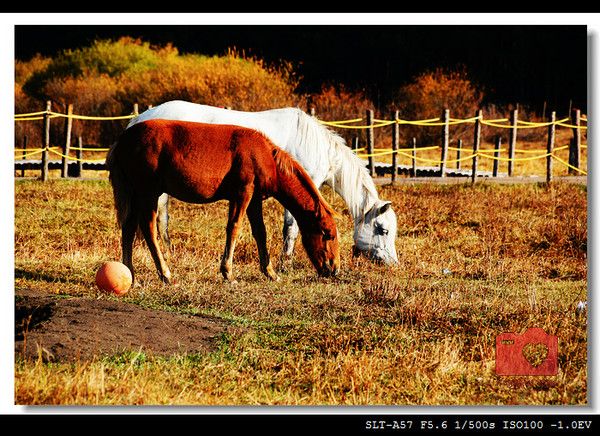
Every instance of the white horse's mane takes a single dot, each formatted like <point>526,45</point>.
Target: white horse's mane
<point>349,176</point>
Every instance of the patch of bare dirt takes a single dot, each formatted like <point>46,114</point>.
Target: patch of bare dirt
<point>74,328</point>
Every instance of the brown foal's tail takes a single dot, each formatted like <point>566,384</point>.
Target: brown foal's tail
<point>122,192</point>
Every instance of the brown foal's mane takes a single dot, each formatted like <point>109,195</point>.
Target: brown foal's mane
<point>287,166</point>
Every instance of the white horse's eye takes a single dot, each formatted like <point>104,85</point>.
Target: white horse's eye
<point>381,231</point>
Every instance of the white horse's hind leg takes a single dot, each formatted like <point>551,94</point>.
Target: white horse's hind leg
<point>163,221</point>
<point>290,234</point>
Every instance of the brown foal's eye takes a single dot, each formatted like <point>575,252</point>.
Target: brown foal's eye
<point>327,236</point>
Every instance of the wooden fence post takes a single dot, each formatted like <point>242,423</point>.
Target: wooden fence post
<point>67,143</point>
<point>575,148</point>
<point>46,144</point>
<point>459,146</point>
<point>496,156</point>
<point>476,142</point>
<point>79,157</point>
<point>136,110</point>
<point>445,139</point>
<point>414,157</point>
<point>370,142</point>
<point>550,146</point>
<point>24,154</point>
<point>395,140</point>
<point>512,140</point>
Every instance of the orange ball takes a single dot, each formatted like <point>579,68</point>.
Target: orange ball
<point>113,277</point>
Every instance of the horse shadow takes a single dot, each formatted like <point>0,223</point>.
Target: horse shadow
<point>40,276</point>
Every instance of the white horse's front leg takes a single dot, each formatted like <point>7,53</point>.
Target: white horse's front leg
<point>290,234</point>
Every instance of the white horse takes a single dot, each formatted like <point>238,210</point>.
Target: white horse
<point>322,153</point>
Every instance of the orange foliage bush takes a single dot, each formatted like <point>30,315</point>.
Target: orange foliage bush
<point>429,94</point>
<point>230,80</point>
<point>108,77</point>
<point>338,104</point>
<point>25,103</point>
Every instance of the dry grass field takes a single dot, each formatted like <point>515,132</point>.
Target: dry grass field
<point>475,261</point>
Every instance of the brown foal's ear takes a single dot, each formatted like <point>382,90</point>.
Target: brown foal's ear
<point>321,205</point>
<point>334,214</point>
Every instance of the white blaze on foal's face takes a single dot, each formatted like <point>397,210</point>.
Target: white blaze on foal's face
<point>375,234</point>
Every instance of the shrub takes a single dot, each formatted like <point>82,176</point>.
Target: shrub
<point>25,69</point>
<point>104,57</point>
<point>24,103</point>
<point>427,95</point>
<point>231,80</point>
<point>108,77</point>
<point>338,104</point>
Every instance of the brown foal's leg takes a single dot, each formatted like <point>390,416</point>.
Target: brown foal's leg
<point>237,208</point>
<point>147,223</point>
<point>255,216</point>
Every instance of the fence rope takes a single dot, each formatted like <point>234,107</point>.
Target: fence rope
<point>32,116</point>
<point>343,126</point>
<point>34,151</point>
<point>16,150</point>
<point>384,151</point>
<point>355,120</point>
<point>432,122</point>
<point>427,122</point>
<point>29,118</point>
<point>96,118</point>
<point>569,165</point>
<point>435,161</point>
<point>572,126</point>
<point>537,151</point>
<point>75,158</point>
<point>31,153</point>
<point>521,124</point>
<point>480,153</point>
<point>28,114</point>
<point>89,148</point>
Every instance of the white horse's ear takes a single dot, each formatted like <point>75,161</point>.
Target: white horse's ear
<point>378,208</point>
<point>384,207</point>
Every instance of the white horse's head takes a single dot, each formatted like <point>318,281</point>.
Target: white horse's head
<point>375,234</point>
